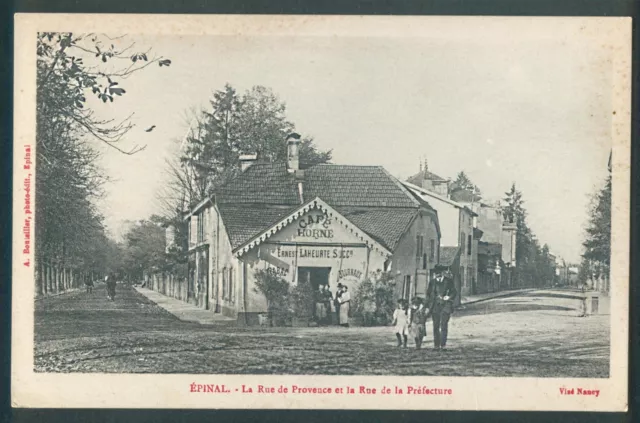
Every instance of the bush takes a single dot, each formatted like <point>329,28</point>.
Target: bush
<point>302,300</point>
<point>275,290</point>
<point>374,299</point>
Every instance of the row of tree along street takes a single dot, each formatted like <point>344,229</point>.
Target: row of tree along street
<point>76,74</point>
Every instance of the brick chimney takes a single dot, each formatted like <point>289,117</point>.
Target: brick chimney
<point>293,152</point>
<point>247,160</point>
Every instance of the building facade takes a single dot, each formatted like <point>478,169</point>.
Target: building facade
<point>458,242</point>
<point>321,225</point>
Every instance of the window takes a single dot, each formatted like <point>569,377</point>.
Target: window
<point>232,291</point>
<point>432,249</point>
<point>419,245</point>
<point>406,287</point>
<point>469,243</point>
<point>462,239</point>
<point>424,261</point>
<point>193,230</point>
<point>224,283</point>
<point>200,225</point>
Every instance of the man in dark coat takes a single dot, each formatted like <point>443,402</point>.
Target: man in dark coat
<point>440,296</point>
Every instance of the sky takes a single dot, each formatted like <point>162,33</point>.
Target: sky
<point>531,107</point>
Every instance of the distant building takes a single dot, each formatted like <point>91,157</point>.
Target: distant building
<point>459,249</point>
<point>430,181</point>
<point>495,231</point>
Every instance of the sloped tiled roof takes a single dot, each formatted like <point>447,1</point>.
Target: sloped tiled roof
<point>355,186</point>
<point>384,225</point>
<point>368,196</point>
<point>338,185</point>
<point>243,222</point>
<point>261,183</point>
<point>448,255</point>
<point>420,176</point>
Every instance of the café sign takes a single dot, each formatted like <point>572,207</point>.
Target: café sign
<point>316,226</point>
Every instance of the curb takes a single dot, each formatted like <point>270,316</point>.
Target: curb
<point>180,317</point>
<point>57,294</point>
<point>498,295</point>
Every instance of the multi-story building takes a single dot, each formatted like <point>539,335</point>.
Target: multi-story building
<point>457,242</point>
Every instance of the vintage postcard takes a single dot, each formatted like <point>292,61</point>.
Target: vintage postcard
<point>321,212</point>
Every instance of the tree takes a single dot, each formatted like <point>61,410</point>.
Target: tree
<point>253,123</point>
<point>463,189</point>
<point>144,247</point>
<point>65,80</point>
<point>597,243</point>
<point>529,264</point>
<point>70,235</point>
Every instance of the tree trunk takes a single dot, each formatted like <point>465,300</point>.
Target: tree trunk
<point>47,277</point>
<point>38,275</point>
<point>58,281</point>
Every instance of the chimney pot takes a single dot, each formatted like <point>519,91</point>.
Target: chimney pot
<point>246,160</point>
<point>293,153</point>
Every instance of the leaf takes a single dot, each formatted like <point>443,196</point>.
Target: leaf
<point>112,84</point>
<point>104,57</point>
<point>164,62</point>
<point>134,58</point>
<point>144,57</point>
<point>117,91</point>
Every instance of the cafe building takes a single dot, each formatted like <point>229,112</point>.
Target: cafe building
<point>319,225</point>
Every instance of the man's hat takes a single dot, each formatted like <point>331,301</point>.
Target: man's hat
<point>440,268</point>
<point>340,285</point>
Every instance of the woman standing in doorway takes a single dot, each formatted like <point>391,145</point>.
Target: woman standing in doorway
<point>336,303</point>
<point>345,300</point>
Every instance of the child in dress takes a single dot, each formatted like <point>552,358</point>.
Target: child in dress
<point>417,321</point>
<point>401,322</point>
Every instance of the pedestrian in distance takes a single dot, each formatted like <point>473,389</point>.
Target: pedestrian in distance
<point>110,281</point>
<point>327,300</point>
<point>583,301</point>
<point>88,283</point>
<point>321,307</point>
<point>401,323</point>
<point>417,321</point>
<point>336,303</point>
<point>441,294</point>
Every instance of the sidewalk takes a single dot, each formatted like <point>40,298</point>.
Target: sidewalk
<point>184,311</point>
<point>471,299</point>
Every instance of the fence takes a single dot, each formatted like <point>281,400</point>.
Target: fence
<point>167,283</point>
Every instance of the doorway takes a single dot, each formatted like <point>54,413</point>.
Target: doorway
<point>314,277</point>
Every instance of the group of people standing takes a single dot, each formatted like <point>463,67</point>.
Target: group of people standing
<point>330,309</point>
<point>410,320</point>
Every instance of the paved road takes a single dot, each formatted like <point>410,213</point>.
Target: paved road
<point>527,335</point>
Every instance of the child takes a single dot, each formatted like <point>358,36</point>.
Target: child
<point>400,321</point>
<point>417,321</point>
